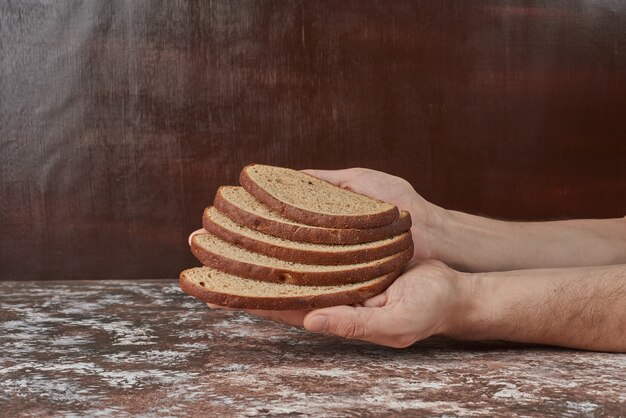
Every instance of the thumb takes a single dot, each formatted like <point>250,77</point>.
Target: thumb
<point>376,325</point>
<point>348,322</point>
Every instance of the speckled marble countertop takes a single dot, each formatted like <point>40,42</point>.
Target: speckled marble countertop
<point>86,348</point>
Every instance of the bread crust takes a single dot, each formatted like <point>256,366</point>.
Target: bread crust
<point>314,218</point>
<point>313,278</point>
<point>346,297</point>
<point>306,233</point>
<point>306,256</point>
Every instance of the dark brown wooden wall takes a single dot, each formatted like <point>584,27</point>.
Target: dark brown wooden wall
<point>118,120</point>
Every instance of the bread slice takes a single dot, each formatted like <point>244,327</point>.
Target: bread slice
<point>231,291</point>
<point>223,227</point>
<point>224,256</point>
<point>313,201</point>
<point>239,205</point>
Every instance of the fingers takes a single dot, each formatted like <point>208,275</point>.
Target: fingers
<point>376,302</point>
<point>368,324</point>
<point>199,231</point>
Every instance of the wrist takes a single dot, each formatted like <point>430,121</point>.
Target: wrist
<point>470,315</point>
<point>470,243</point>
<point>429,223</point>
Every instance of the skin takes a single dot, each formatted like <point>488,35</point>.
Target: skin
<point>559,283</point>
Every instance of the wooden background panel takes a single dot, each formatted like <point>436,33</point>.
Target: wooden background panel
<point>119,120</point>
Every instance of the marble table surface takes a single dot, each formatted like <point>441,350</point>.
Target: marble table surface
<point>143,348</point>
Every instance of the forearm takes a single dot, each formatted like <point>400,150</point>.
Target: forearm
<point>582,308</point>
<point>473,243</point>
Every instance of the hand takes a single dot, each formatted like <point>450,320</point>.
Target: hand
<point>382,186</point>
<point>426,300</point>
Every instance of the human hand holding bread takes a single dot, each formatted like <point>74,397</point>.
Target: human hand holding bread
<point>415,306</point>
<point>420,303</point>
<point>395,190</point>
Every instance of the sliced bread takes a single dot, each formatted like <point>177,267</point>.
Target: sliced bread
<point>222,255</point>
<point>239,205</point>
<point>223,227</point>
<point>231,291</point>
<point>313,201</point>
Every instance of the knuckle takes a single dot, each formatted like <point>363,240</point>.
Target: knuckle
<point>345,184</point>
<point>350,329</point>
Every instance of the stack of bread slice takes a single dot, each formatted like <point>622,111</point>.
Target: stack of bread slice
<point>287,240</point>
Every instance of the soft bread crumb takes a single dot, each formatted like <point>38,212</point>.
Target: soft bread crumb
<point>223,221</point>
<point>239,197</point>
<point>213,244</point>
<point>312,194</point>
<point>217,281</point>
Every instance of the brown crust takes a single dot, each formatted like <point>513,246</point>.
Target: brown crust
<point>314,218</point>
<point>346,297</point>
<point>305,233</point>
<point>315,278</point>
<point>305,256</point>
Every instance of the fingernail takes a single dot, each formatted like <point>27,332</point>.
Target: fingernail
<point>317,323</point>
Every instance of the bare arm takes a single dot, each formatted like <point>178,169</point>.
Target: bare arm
<point>473,243</point>
<point>581,308</point>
